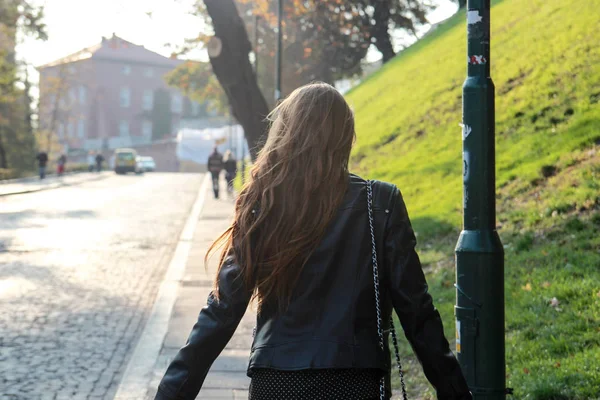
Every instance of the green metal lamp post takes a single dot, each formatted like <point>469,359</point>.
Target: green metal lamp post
<point>479,254</point>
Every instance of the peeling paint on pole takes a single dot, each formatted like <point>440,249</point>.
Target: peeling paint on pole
<point>466,131</point>
<point>473,17</point>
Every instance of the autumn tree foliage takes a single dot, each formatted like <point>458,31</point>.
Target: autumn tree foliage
<point>324,40</point>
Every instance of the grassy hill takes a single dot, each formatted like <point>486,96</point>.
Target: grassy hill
<point>546,67</point>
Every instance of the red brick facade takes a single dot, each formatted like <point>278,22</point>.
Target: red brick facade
<point>104,97</point>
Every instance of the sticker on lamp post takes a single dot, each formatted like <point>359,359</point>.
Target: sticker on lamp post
<point>457,336</point>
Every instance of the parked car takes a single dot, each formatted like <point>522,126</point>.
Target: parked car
<point>139,165</point>
<point>126,161</point>
<point>147,164</point>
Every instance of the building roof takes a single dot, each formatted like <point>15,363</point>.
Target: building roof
<point>116,49</point>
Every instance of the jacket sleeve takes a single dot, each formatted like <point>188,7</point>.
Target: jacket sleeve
<point>419,318</point>
<point>216,324</point>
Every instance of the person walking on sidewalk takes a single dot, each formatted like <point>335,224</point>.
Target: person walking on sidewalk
<point>99,161</point>
<point>230,165</point>
<point>42,159</point>
<point>327,256</point>
<point>215,166</point>
<point>62,163</point>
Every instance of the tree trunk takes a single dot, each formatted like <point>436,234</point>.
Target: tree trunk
<point>380,30</point>
<point>462,3</point>
<point>3,161</point>
<point>27,106</point>
<point>235,73</point>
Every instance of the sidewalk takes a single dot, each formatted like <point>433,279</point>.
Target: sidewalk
<point>227,377</point>
<point>28,185</point>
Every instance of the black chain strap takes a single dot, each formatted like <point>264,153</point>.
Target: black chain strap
<point>378,302</point>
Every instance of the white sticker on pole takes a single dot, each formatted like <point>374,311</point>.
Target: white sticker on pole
<point>457,336</point>
<point>473,17</point>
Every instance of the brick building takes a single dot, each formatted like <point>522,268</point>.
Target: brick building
<point>112,95</point>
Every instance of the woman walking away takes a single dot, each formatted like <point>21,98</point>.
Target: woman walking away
<point>327,256</point>
<point>230,165</point>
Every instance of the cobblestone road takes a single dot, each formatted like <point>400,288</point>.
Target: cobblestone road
<point>79,270</point>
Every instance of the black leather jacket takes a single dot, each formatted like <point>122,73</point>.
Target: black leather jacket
<point>331,321</point>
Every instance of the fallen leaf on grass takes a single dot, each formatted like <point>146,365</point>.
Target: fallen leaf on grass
<point>546,285</point>
<point>554,303</point>
<point>527,287</point>
<point>557,364</point>
<point>526,370</point>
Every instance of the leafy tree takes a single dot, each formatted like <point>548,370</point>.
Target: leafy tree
<point>394,14</point>
<point>58,84</point>
<point>198,82</point>
<point>234,72</point>
<point>323,40</point>
<point>15,16</point>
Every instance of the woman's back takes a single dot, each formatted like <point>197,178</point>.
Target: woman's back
<point>301,244</point>
<point>331,314</point>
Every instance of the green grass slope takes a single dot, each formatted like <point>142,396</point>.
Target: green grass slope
<point>546,68</point>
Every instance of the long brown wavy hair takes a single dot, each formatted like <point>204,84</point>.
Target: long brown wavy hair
<point>295,187</point>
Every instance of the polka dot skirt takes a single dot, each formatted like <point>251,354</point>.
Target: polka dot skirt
<point>314,384</point>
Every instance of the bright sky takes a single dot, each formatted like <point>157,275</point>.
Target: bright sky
<point>75,24</point>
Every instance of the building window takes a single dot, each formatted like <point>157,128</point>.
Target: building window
<point>81,128</point>
<point>52,101</point>
<point>61,130</point>
<point>126,70</point>
<point>147,129</point>
<point>176,103</point>
<point>82,94</point>
<point>147,100</point>
<point>72,96</point>
<point>125,97</point>
<point>70,130</point>
<point>148,72</point>
<point>124,128</point>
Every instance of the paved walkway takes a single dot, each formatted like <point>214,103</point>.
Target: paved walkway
<point>35,184</point>
<point>227,377</point>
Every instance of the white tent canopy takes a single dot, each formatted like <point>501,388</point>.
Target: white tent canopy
<point>197,144</point>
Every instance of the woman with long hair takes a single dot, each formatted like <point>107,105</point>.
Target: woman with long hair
<point>327,256</point>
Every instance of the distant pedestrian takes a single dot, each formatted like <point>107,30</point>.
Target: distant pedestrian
<point>215,166</point>
<point>230,165</point>
<point>327,256</point>
<point>42,158</point>
<point>62,163</point>
<point>99,161</point>
<point>91,161</point>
